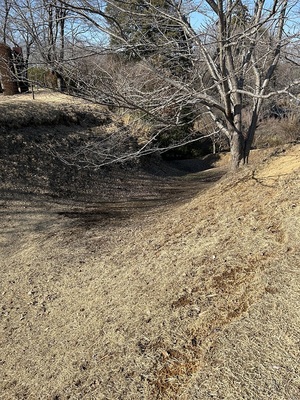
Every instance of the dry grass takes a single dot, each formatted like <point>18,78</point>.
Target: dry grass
<point>192,301</point>
<point>41,95</point>
<point>139,128</point>
<point>47,108</point>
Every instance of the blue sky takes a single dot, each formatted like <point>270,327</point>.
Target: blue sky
<point>197,18</point>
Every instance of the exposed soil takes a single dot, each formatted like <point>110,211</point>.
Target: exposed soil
<point>150,283</point>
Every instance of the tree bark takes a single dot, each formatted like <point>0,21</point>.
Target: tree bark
<point>236,149</point>
<point>250,136</point>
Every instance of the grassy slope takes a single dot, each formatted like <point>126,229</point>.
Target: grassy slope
<point>192,301</point>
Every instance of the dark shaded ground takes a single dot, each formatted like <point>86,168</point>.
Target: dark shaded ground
<point>31,163</point>
<point>35,138</point>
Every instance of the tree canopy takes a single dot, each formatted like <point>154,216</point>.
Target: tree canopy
<point>173,61</point>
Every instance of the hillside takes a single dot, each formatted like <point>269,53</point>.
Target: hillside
<point>194,296</point>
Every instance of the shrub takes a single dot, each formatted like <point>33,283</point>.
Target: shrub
<point>275,132</point>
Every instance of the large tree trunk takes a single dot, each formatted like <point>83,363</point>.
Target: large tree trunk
<point>8,80</point>
<point>251,133</point>
<point>236,149</point>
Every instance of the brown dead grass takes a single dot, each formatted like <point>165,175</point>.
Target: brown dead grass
<point>41,95</point>
<point>192,301</point>
<point>48,108</point>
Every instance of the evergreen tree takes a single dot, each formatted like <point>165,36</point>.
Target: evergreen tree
<point>139,30</point>
<point>240,17</point>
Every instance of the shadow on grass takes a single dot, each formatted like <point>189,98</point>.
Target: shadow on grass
<point>88,209</point>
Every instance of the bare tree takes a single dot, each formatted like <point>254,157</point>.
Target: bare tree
<point>227,53</point>
<point>39,27</point>
<point>233,54</point>
<point>6,6</point>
